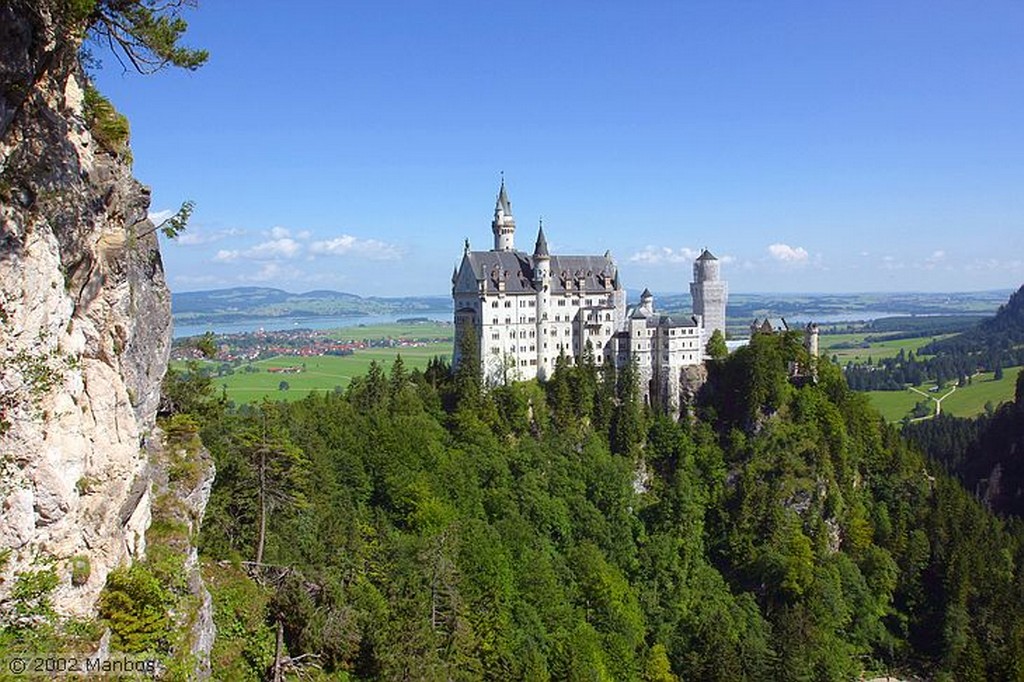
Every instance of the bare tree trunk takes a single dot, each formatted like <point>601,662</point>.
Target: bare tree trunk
<point>263,505</point>
<point>277,651</point>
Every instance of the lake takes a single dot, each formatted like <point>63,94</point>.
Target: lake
<point>281,323</point>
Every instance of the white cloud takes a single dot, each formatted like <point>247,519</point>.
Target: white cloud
<point>193,239</point>
<point>191,280</point>
<point>284,247</point>
<point>346,244</point>
<point>157,217</point>
<point>656,255</point>
<point>934,260</point>
<point>784,253</point>
<point>199,236</point>
<point>278,232</point>
<point>988,264</point>
<point>268,272</point>
<point>226,256</point>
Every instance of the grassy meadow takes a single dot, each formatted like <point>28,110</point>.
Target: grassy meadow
<point>876,351</point>
<point>327,372</point>
<point>322,373</point>
<point>968,401</point>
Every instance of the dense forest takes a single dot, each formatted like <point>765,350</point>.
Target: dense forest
<point>990,345</point>
<point>416,527</point>
<point>984,453</point>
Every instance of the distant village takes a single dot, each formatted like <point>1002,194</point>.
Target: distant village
<point>259,345</point>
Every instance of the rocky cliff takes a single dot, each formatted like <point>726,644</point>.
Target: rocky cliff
<point>84,322</point>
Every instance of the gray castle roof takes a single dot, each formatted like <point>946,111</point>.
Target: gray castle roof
<point>515,268</point>
<point>503,203</point>
<point>541,249</point>
<point>706,255</point>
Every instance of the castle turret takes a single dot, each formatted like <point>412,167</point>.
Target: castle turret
<point>709,293</point>
<point>504,225</point>
<point>647,302</point>
<point>811,339</point>
<point>542,284</point>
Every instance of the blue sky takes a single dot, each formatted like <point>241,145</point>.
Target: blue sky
<point>815,147</point>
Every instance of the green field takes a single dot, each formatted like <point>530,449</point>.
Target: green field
<point>894,405</point>
<point>970,400</point>
<point>967,401</point>
<point>414,330</point>
<point>877,350</point>
<point>322,373</point>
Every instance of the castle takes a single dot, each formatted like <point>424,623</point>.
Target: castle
<point>525,310</point>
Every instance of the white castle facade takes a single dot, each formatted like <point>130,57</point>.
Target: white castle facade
<point>525,310</point>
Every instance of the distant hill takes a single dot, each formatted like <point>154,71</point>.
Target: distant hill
<point>239,303</point>
<point>847,307</point>
<point>997,340</point>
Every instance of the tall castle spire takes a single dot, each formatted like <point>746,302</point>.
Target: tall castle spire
<point>541,248</point>
<point>504,225</point>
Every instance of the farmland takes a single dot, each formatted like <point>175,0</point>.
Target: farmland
<point>855,347</point>
<point>248,381</point>
<point>966,401</point>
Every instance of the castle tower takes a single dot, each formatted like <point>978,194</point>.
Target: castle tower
<point>504,225</point>
<point>811,339</point>
<point>709,294</point>
<point>542,283</point>
<point>647,302</point>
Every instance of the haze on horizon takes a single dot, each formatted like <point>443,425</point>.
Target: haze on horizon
<point>814,148</point>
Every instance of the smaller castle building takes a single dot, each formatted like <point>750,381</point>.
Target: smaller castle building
<point>527,309</point>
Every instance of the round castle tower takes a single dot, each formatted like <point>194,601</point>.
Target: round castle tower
<point>504,225</point>
<point>709,294</point>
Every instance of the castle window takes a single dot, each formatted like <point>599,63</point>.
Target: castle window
<point>494,304</point>
<point>561,301</point>
<point>508,304</point>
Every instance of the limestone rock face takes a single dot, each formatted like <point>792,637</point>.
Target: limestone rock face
<point>85,322</point>
<point>691,380</point>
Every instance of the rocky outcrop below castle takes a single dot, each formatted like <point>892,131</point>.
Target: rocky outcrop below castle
<point>85,325</point>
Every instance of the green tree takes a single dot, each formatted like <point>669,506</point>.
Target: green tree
<point>278,467</point>
<point>716,348</point>
<point>145,34</point>
<point>468,374</point>
<point>627,424</point>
